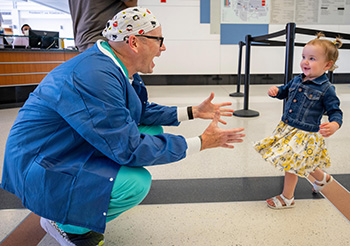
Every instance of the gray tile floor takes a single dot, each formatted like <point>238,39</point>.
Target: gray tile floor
<point>249,222</point>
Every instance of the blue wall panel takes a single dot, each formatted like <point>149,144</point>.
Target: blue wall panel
<point>233,33</point>
<point>205,11</point>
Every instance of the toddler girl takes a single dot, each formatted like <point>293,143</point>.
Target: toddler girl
<point>297,146</point>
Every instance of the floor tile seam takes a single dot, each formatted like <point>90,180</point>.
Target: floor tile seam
<point>230,177</point>
<point>25,225</point>
<point>14,228</point>
<point>336,202</point>
<point>12,209</point>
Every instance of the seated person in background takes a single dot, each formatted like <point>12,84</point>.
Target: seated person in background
<point>22,40</point>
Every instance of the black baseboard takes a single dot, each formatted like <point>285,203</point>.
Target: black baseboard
<point>15,96</point>
<point>226,79</point>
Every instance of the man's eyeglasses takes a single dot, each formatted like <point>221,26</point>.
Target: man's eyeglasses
<point>161,39</point>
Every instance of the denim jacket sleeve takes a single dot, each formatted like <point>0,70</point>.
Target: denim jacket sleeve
<point>331,103</point>
<point>283,90</point>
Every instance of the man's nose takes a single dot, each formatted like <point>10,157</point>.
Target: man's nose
<point>163,48</point>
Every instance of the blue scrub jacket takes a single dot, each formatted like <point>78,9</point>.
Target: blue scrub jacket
<point>75,131</point>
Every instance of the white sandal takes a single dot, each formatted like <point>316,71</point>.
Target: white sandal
<point>288,203</point>
<point>318,187</point>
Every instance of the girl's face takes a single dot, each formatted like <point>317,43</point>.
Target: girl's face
<point>314,64</point>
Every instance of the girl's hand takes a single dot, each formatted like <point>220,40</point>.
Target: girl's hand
<point>273,91</point>
<point>328,128</point>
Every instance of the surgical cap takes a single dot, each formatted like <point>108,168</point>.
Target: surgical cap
<point>130,21</point>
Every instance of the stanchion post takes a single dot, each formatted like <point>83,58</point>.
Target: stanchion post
<point>288,71</point>
<point>290,37</point>
<point>239,72</point>
<point>245,112</point>
<point>330,76</point>
<point>248,46</point>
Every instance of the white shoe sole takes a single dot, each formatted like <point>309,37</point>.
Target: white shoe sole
<point>52,229</point>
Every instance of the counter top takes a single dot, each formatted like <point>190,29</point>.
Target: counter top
<point>38,50</point>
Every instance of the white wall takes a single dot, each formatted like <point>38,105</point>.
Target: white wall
<point>191,49</point>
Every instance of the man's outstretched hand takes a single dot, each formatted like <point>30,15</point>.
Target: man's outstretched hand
<point>207,109</point>
<point>214,136</point>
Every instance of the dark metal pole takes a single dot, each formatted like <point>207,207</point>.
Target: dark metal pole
<point>239,72</point>
<point>290,37</point>
<point>246,112</point>
<point>330,76</point>
<point>247,71</point>
<point>288,71</point>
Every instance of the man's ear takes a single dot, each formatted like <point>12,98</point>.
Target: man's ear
<point>133,43</point>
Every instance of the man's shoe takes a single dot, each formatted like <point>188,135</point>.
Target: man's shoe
<point>90,238</point>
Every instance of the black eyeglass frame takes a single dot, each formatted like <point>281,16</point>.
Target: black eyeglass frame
<point>161,39</point>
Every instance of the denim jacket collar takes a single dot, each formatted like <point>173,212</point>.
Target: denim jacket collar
<point>319,80</point>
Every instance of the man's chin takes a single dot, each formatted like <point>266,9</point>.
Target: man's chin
<point>147,72</point>
<point>150,70</point>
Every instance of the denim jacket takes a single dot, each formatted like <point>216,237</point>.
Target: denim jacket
<point>308,101</point>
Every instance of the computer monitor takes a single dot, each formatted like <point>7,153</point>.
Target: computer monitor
<point>43,39</point>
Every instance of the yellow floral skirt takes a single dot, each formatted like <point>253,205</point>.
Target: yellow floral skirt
<point>293,150</point>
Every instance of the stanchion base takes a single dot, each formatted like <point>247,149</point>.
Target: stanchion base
<point>246,113</point>
<point>237,94</point>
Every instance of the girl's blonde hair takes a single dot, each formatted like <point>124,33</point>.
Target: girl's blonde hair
<point>330,48</point>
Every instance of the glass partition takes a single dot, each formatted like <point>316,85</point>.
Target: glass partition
<point>37,39</point>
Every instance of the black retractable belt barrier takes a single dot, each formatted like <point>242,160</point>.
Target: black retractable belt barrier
<point>263,40</point>
<point>246,112</point>
<point>239,72</point>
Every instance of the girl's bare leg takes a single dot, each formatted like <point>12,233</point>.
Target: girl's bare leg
<point>290,182</point>
<point>318,175</point>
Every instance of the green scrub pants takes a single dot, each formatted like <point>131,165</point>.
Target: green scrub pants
<point>131,186</point>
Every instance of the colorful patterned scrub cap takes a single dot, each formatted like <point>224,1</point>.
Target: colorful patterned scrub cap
<point>130,21</point>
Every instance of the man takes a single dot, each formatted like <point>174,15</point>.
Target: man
<point>22,41</point>
<point>89,17</point>
<point>76,152</point>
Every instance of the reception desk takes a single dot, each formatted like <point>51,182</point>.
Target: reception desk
<point>21,70</point>
<point>29,66</point>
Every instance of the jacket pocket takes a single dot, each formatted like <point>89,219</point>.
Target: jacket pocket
<point>311,96</point>
<point>47,192</point>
